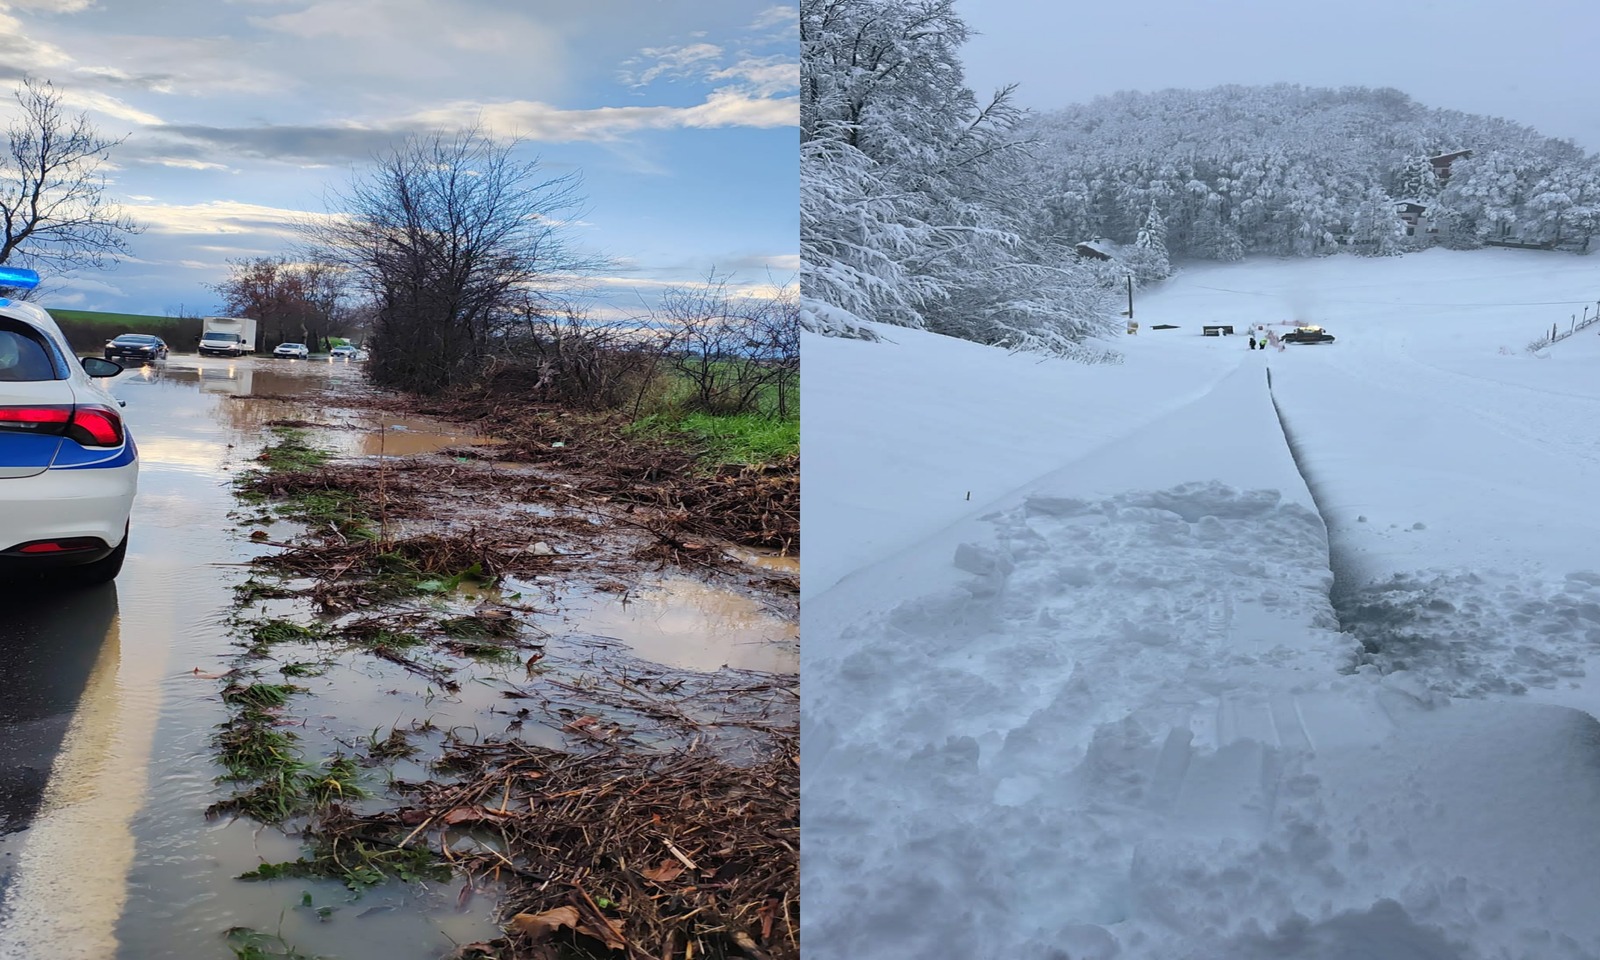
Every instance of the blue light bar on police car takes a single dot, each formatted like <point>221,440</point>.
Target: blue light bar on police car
<point>18,278</point>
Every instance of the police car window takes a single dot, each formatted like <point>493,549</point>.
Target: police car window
<point>23,358</point>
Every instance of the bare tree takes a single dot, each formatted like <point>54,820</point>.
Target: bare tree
<point>53,208</point>
<point>737,354</point>
<point>574,358</point>
<point>293,300</point>
<point>446,236</point>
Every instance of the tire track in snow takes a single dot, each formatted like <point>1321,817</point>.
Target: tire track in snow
<point>1340,561</point>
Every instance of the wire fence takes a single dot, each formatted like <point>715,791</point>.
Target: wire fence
<point>1556,334</point>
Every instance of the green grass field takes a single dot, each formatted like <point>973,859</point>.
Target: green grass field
<point>88,330</point>
<point>130,322</point>
<point>745,438</point>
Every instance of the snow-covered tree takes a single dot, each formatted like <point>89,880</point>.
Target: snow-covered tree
<point>1148,259</point>
<point>918,204</point>
<point>1376,229</point>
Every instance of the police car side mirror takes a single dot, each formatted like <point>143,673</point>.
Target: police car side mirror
<point>98,367</point>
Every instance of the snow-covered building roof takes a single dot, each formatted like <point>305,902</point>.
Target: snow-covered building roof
<point>1099,248</point>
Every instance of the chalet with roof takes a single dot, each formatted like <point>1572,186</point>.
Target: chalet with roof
<point>1097,249</point>
<point>1411,213</point>
<point>1441,163</point>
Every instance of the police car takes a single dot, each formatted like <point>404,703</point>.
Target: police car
<point>68,467</point>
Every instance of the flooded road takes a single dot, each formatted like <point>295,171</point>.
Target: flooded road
<point>106,757</point>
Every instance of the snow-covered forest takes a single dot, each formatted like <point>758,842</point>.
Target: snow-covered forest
<point>926,206</point>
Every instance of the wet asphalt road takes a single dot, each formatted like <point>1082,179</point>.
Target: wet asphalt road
<point>103,725</point>
<point>49,642</point>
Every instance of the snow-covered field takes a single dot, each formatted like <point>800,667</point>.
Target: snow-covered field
<point>1208,667</point>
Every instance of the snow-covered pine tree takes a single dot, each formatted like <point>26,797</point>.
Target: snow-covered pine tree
<point>1376,229</point>
<point>1148,259</point>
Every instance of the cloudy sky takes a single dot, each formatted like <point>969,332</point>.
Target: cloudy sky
<point>1527,61</point>
<point>243,115</point>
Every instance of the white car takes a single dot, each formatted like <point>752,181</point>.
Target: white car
<point>345,352</point>
<point>68,467</point>
<point>298,351</point>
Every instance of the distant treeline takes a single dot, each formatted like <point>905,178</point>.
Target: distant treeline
<point>88,331</point>
<point>1301,171</point>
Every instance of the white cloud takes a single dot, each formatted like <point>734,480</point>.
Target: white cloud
<point>80,99</point>
<point>670,62</point>
<point>543,122</point>
<point>182,163</point>
<point>48,6</point>
<point>788,262</point>
<point>780,15</point>
<point>221,217</point>
<point>762,76</point>
<point>23,54</point>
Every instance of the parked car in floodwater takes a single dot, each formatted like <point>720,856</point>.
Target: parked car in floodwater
<point>293,350</point>
<point>68,467</point>
<point>143,347</point>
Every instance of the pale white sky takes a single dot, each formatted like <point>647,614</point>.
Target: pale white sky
<point>1532,62</point>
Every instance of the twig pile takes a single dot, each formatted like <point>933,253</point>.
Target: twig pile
<point>667,856</point>
<point>755,506</point>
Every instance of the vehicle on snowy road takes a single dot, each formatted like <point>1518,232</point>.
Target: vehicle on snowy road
<point>1308,334</point>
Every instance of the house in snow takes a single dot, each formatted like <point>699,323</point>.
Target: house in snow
<point>1441,163</point>
<point>1411,212</point>
<point>1097,249</point>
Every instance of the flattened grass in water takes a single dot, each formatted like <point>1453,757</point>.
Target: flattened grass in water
<point>256,752</point>
<point>358,864</point>
<point>294,787</point>
<point>259,695</point>
<point>323,508</point>
<point>292,452</point>
<point>250,944</point>
<point>250,746</point>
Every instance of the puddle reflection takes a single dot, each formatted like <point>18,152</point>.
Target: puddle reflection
<point>684,623</point>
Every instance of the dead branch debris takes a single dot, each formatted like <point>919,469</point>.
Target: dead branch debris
<point>660,856</point>
<point>751,505</point>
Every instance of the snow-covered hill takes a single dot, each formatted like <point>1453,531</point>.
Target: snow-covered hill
<point>1170,686</point>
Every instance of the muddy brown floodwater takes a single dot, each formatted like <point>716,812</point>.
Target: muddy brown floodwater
<point>119,859</point>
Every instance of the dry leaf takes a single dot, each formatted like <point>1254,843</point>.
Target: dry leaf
<point>611,936</point>
<point>471,815</point>
<point>666,873</point>
<point>542,926</point>
<point>767,914</point>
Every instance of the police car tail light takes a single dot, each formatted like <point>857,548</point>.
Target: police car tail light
<point>51,420</point>
<point>96,426</point>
